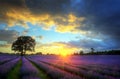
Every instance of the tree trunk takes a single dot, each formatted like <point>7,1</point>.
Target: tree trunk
<point>24,52</point>
<point>21,53</point>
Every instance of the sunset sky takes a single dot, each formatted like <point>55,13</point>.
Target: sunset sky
<point>61,26</point>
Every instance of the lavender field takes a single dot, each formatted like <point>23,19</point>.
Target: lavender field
<point>57,67</point>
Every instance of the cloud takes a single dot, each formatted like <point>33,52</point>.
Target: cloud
<point>66,23</point>
<point>5,48</point>
<point>56,48</point>
<point>102,19</point>
<point>17,3</point>
<point>5,45</point>
<point>53,7</point>
<point>44,13</point>
<point>6,6</point>
<point>96,19</point>
<point>25,32</point>
<point>87,44</point>
<point>69,24</point>
<point>8,35</point>
<point>6,39</point>
<point>41,37</point>
<point>105,43</point>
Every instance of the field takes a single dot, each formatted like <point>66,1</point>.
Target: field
<point>58,67</point>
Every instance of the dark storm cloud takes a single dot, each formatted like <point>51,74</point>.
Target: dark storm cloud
<point>103,16</point>
<point>31,8</point>
<point>48,6</point>
<point>9,5</point>
<point>8,35</point>
<point>38,6</point>
<point>12,2</point>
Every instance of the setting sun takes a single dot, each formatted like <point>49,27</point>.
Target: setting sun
<point>63,54</point>
<point>59,39</point>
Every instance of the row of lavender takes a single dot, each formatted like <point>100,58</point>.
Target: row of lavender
<point>28,71</point>
<point>6,58</point>
<point>83,70</point>
<point>25,71</point>
<point>55,67</point>
<point>6,67</point>
<point>53,72</point>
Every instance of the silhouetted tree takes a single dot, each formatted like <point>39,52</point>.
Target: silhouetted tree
<point>81,52</point>
<point>76,53</point>
<point>92,50</point>
<point>39,53</point>
<point>23,44</point>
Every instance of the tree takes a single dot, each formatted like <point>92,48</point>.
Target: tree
<point>92,50</point>
<point>23,44</point>
<point>81,52</point>
<point>39,53</point>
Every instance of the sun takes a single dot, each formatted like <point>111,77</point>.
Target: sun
<point>63,54</point>
<point>65,57</point>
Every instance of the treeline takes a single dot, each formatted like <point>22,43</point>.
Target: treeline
<point>109,52</point>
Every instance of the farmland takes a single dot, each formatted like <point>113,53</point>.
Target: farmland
<point>58,67</point>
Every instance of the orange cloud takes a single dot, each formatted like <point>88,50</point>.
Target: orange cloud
<point>19,13</point>
<point>62,23</point>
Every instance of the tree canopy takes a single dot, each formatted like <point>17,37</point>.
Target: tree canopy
<point>23,44</point>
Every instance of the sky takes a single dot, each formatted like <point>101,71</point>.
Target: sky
<point>61,26</point>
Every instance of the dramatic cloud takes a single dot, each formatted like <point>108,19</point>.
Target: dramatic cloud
<point>53,7</point>
<point>103,17</point>
<point>8,35</point>
<point>44,13</point>
<point>95,19</point>
<point>6,39</point>
<point>7,6</point>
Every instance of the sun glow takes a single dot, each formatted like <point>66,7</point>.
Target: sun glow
<point>65,58</point>
<point>63,54</point>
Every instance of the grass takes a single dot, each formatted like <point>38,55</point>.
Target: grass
<point>14,73</point>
